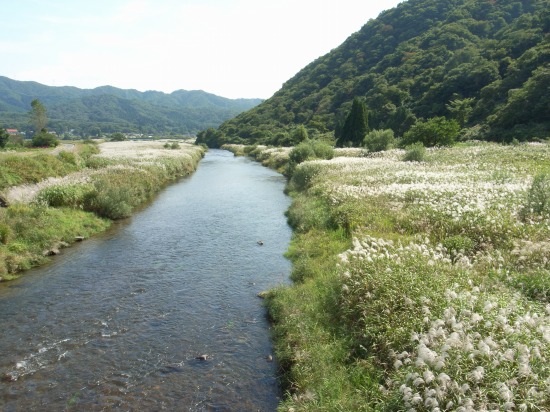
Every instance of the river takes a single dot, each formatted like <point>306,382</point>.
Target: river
<point>117,322</point>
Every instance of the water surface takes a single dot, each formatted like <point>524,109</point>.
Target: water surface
<point>116,323</point>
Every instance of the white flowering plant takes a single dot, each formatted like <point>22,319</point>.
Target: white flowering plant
<point>444,342</point>
<point>443,292</point>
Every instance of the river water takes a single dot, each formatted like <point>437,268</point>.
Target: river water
<point>117,322</point>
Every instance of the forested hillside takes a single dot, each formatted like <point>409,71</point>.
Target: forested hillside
<point>109,109</point>
<point>484,63</point>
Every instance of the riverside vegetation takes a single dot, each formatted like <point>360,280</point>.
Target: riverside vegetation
<point>417,285</point>
<point>57,197</point>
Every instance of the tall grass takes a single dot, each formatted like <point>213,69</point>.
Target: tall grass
<point>430,291</point>
<point>109,185</point>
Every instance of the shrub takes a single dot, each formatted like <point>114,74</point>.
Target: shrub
<point>379,140</point>
<point>322,149</point>
<point>437,131</point>
<point>415,152</point>
<point>44,139</point>
<point>301,153</point>
<point>303,176</point>
<point>308,150</point>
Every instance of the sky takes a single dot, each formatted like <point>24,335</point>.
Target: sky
<point>231,48</point>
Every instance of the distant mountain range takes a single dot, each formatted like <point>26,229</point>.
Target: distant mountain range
<point>109,109</point>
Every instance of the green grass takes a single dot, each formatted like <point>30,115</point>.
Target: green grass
<point>33,229</point>
<point>16,169</point>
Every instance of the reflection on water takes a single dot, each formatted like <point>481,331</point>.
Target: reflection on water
<point>119,321</point>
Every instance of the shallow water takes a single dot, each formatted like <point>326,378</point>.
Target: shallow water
<point>116,323</point>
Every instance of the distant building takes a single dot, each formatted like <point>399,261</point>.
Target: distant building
<point>12,132</point>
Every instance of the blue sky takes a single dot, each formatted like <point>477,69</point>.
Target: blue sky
<point>232,48</point>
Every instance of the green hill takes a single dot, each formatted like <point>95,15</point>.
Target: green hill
<point>485,63</point>
<point>110,109</point>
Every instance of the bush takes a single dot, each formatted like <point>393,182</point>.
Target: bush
<point>308,150</point>
<point>322,149</point>
<point>301,153</point>
<point>44,139</point>
<point>415,153</point>
<point>303,176</point>
<point>437,131</point>
<point>379,140</point>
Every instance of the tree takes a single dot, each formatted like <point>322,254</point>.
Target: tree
<point>379,140</point>
<point>44,139</point>
<point>118,137</point>
<point>299,135</point>
<point>38,115</point>
<point>4,136</point>
<point>461,109</point>
<point>356,125</point>
<point>437,131</point>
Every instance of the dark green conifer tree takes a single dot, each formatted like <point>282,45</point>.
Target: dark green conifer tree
<point>356,125</point>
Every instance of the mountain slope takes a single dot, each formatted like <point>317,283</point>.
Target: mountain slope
<point>111,109</point>
<point>491,58</point>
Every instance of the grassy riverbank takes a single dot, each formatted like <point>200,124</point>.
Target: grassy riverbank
<point>418,285</point>
<point>56,198</point>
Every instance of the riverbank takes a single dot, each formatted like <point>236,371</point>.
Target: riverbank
<point>56,199</point>
<point>418,285</point>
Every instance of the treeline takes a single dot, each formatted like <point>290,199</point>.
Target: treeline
<point>483,64</point>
